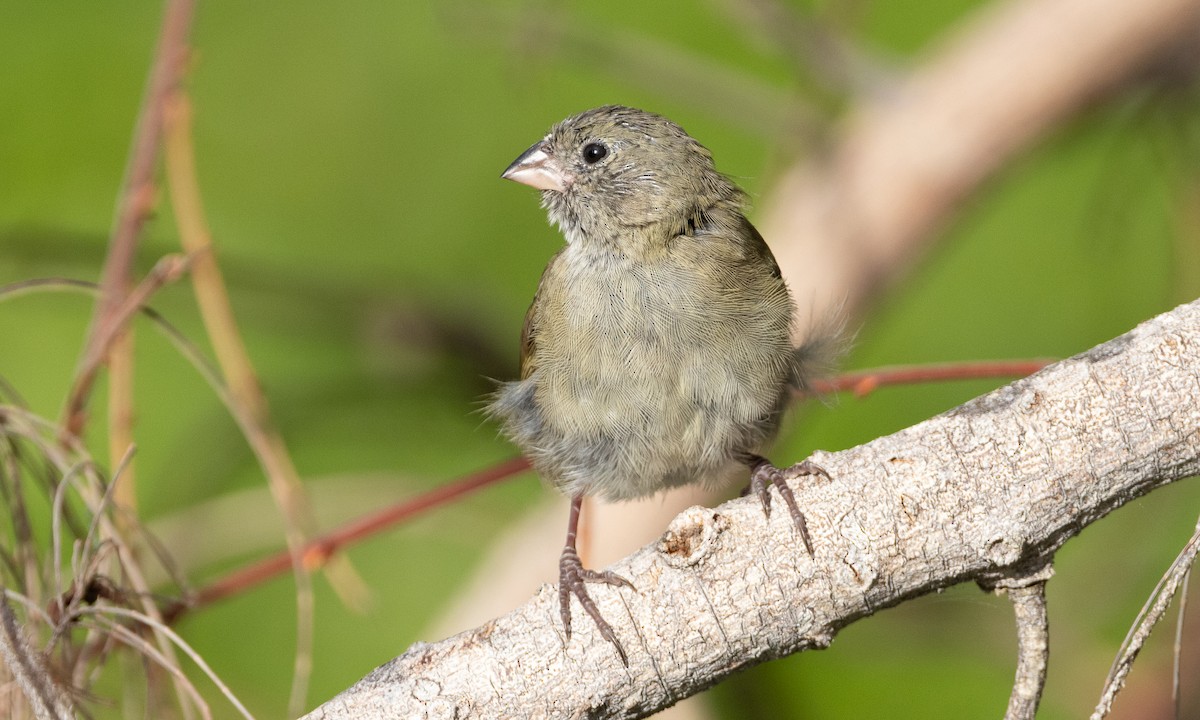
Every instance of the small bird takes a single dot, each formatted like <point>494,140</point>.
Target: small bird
<point>657,351</point>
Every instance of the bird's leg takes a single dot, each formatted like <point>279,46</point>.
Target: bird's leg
<point>572,579</point>
<point>763,474</point>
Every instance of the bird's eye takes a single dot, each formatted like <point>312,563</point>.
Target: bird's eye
<point>594,153</point>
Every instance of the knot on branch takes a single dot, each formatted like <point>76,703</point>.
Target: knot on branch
<point>1034,572</point>
<point>692,536</point>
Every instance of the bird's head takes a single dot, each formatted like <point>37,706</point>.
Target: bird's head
<point>614,170</point>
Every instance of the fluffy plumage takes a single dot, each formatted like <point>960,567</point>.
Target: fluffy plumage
<point>656,352</point>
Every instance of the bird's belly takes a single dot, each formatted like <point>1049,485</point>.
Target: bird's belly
<point>644,379</point>
<point>627,424</point>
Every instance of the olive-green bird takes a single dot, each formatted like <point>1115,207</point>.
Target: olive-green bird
<point>657,351</point>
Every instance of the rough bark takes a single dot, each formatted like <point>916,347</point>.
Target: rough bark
<point>986,491</point>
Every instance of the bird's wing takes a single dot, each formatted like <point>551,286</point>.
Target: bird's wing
<point>529,338</point>
<point>758,247</point>
<point>529,331</point>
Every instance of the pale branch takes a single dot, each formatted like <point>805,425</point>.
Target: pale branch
<point>987,492</point>
<point>1028,596</point>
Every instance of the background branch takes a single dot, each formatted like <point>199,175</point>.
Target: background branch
<point>134,206</point>
<point>857,217</point>
<point>46,699</point>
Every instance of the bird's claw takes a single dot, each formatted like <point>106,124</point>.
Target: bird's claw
<point>572,580</point>
<point>763,475</point>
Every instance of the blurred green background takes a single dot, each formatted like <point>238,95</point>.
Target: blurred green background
<point>349,155</point>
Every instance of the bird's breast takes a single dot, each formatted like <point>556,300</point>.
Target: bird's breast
<point>642,349</point>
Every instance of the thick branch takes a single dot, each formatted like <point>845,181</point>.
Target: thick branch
<point>984,492</point>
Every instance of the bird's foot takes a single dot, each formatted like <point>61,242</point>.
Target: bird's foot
<point>572,580</point>
<point>763,475</point>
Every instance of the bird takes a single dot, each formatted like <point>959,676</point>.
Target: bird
<point>657,350</point>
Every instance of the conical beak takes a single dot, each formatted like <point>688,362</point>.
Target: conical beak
<point>537,168</point>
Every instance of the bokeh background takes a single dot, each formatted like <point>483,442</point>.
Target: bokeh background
<point>349,156</point>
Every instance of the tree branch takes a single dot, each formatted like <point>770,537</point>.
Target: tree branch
<point>1028,595</point>
<point>985,491</point>
<point>134,206</point>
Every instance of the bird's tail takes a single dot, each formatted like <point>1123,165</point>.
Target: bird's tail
<point>824,345</point>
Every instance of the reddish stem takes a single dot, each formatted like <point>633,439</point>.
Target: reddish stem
<point>316,552</point>
<point>865,382</point>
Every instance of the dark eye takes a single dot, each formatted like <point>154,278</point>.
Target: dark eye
<point>594,153</point>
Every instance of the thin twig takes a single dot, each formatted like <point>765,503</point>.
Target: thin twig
<point>47,699</point>
<point>1153,610</point>
<point>864,382</point>
<point>1177,650</point>
<point>248,401</point>
<point>1033,650</point>
<point>110,628</point>
<point>121,413</point>
<point>166,270</point>
<point>161,629</point>
<point>186,347</point>
<point>136,198</point>
<point>97,554</point>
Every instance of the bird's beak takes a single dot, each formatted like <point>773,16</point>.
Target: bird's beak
<point>538,168</point>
